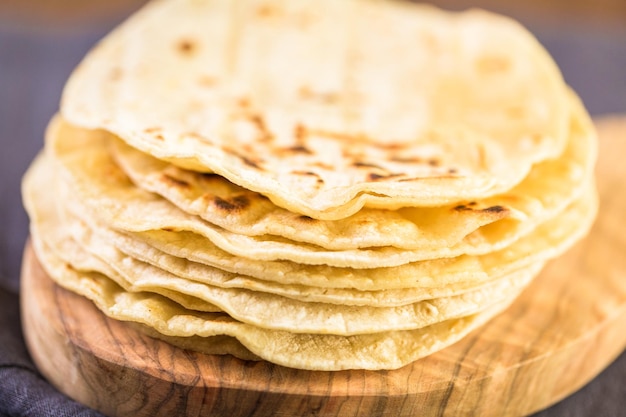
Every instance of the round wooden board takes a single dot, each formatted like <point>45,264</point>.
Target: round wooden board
<point>563,330</point>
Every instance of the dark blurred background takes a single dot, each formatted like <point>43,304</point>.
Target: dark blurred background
<point>42,40</point>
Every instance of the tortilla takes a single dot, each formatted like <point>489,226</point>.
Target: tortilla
<point>437,232</point>
<point>368,103</point>
<point>549,187</point>
<point>195,271</point>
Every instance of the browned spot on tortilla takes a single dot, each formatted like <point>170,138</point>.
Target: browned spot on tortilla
<point>115,74</point>
<point>359,138</point>
<point>168,229</point>
<point>250,162</point>
<point>258,197</point>
<point>495,209</point>
<point>254,163</point>
<point>516,112</point>
<point>482,158</point>
<point>410,179</point>
<point>407,160</point>
<point>247,148</point>
<point>377,177</point>
<point>489,210</point>
<point>195,135</point>
<point>207,81</point>
<point>453,171</point>
<point>536,137</point>
<point>177,182</point>
<point>231,204</point>
<point>319,180</point>
<point>210,176</point>
<point>492,64</point>
<point>306,219</point>
<point>243,102</point>
<point>434,162</point>
<point>304,173</point>
<point>186,47</point>
<point>323,165</point>
<point>321,96</point>
<point>300,132</point>
<point>392,146</point>
<point>328,97</point>
<point>360,164</point>
<point>304,91</point>
<point>299,149</point>
<point>430,41</point>
<point>258,121</point>
<point>265,10</point>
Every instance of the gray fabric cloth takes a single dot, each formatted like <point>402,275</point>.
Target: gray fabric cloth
<point>33,68</point>
<point>23,391</point>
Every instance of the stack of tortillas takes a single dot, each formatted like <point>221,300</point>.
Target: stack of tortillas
<point>320,184</point>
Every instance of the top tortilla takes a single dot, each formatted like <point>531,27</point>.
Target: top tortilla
<point>328,107</point>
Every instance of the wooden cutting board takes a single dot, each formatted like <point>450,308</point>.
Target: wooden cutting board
<point>562,331</point>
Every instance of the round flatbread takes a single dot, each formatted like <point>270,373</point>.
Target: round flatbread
<point>472,228</point>
<point>549,187</point>
<point>326,107</point>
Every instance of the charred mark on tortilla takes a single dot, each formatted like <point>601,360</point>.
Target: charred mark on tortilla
<point>186,46</point>
<point>320,180</point>
<point>372,176</point>
<point>231,204</point>
<point>361,164</point>
<point>299,149</point>
<point>175,181</point>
